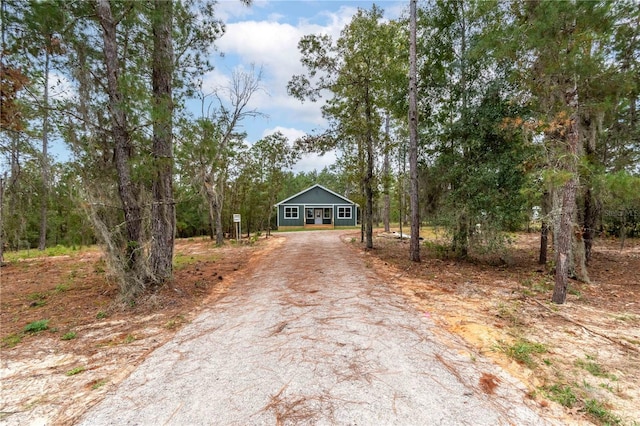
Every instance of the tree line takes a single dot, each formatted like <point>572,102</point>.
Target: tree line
<point>524,111</point>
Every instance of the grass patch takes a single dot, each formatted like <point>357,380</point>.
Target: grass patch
<point>38,303</point>
<point>130,338</point>
<point>98,384</point>
<point>36,296</point>
<point>11,340</point>
<point>101,315</point>
<point>625,317</point>
<point>175,322</point>
<point>37,326</point>
<point>12,256</point>
<point>563,395</point>
<point>594,368</point>
<point>522,350</point>
<point>74,371</point>
<point>181,261</point>
<point>510,313</point>
<point>61,288</point>
<point>596,410</point>
<point>69,336</point>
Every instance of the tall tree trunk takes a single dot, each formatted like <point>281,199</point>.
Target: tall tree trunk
<point>218,211</point>
<point>544,229</point>
<point>564,253</point>
<point>44,201</point>
<point>163,215</point>
<point>214,200</point>
<point>589,226</point>
<point>414,249</point>
<point>368,178</point>
<point>386,172</point>
<point>461,237</point>
<point>122,144</point>
<point>3,181</point>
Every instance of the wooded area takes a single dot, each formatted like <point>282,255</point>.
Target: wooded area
<point>526,119</point>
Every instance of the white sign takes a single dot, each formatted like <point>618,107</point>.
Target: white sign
<point>236,218</point>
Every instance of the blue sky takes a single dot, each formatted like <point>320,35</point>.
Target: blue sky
<point>267,34</point>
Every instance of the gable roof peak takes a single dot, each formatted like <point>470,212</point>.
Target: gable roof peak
<point>317,185</point>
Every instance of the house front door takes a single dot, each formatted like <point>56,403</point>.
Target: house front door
<point>318,216</point>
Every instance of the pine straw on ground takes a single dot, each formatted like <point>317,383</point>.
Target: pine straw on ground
<point>589,346</point>
<point>50,380</point>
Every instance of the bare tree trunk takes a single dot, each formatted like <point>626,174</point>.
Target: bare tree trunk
<point>565,232</point>
<point>386,208</point>
<point>414,249</point>
<point>163,215</point>
<point>368,178</point>
<point>544,229</point>
<point>563,246</point>
<point>218,217</point>
<point>3,181</point>
<point>121,138</point>
<point>44,201</point>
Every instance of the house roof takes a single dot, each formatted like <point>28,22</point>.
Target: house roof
<point>317,185</point>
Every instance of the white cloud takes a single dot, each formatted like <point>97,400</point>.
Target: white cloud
<point>317,162</point>
<point>214,80</point>
<point>274,46</point>
<point>290,133</point>
<point>229,9</point>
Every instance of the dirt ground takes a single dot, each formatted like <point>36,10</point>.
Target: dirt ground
<point>588,350</point>
<point>46,379</point>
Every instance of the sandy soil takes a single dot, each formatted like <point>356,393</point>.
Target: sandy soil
<point>489,306</point>
<point>311,336</point>
<point>37,383</point>
<point>591,344</point>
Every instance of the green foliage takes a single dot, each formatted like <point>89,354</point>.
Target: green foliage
<point>621,205</point>
<point>101,315</point>
<point>37,326</point>
<point>596,410</point>
<point>61,288</point>
<point>11,340</point>
<point>563,395</point>
<point>594,368</point>
<point>74,371</point>
<point>69,336</point>
<point>522,350</point>
<point>98,384</point>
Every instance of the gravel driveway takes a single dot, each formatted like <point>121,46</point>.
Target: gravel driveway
<point>312,336</point>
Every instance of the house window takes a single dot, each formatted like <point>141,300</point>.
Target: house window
<point>344,212</point>
<point>309,213</point>
<point>291,212</point>
<point>327,213</point>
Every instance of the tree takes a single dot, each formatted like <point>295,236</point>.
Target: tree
<point>353,69</point>
<point>561,54</point>
<point>272,155</point>
<point>34,42</point>
<point>122,151</point>
<point>163,216</point>
<point>210,148</point>
<point>413,137</point>
<point>474,170</point>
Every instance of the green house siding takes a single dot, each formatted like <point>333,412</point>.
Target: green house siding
<point>316,195</point>
<point>301,210</point>
<point>286,221</point>
<point>352,221</point>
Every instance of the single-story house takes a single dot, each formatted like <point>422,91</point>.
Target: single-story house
<point>316,207</point>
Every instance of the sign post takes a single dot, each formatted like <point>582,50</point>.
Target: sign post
<point>236,221</point>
